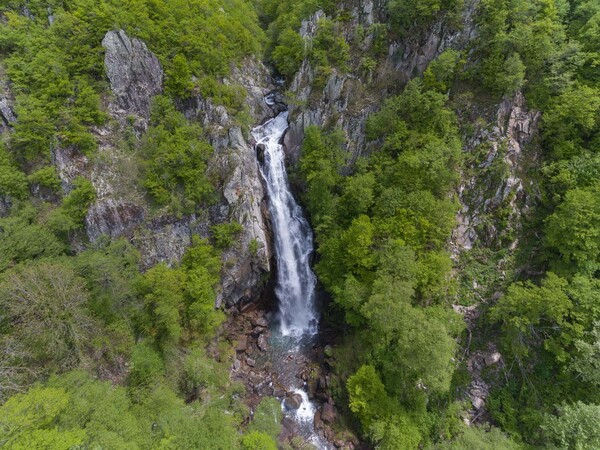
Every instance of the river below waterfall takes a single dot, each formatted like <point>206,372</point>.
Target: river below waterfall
<point>295,326</point>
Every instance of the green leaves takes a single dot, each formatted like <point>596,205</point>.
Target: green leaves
<point>182,299</point>
<point>175,158</point>
<point>368,399</point>
<point>45,306</point>
<point>381,233</point>
<point>575,427</point>
<point>574,231</point>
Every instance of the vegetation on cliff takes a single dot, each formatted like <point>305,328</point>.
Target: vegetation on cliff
<point>95,352</point>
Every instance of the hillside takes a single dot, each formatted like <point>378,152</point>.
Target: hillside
<point>445,157</point>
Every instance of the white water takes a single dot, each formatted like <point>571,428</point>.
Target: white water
<point>295,288</point>
<point>296,282</point>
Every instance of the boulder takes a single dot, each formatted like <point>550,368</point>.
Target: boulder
<point>260,322</point>
<point>242,345</point>
<point>292,401</point>
<point>478,403</point>
<point>328,414</point>
<point>263,342</point>
<point>317,420</point>
<point>250,362</point>
<point>311,388</point>
<point>492,358</point>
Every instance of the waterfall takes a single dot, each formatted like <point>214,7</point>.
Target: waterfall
<point>296,282</point>
<point>295,287</point>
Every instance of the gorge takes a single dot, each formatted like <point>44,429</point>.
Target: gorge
<point>276,224</point>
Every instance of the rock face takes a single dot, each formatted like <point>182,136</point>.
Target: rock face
<point>411,57</point>
<point>498,177</point>
<point>134,72</point>
<point>112,218</point>
<point>121,208</point>
<point>344,101</point>
<point>7,114</point>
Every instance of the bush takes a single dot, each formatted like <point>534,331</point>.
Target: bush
<point>224,234</point>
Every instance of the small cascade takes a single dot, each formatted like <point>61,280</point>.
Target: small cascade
<point>297,320</point>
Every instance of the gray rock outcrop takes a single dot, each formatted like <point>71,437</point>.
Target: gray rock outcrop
<point>136,76</point>
<point>344,102</point>
<point>498,177</point>
<point>134,72</point>
<point>7,114</point>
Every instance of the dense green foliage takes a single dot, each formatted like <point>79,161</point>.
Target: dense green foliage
<point>548,323</point>
<point>96,354</point>
<point>174,160</point>
<point>381,237</point>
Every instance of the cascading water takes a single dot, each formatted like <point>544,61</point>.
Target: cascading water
<point>296,282</point>
<point>295,287</point>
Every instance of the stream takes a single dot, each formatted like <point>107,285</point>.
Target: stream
<point>295,328</point>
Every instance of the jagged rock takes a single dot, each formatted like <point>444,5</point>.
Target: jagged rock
<point>250,362</point>
<point>292,401</point>
<point>6,113</point>
<point>328,414</point>
<point>112,218</point>
<point>510,126</point>
<point>70,163</point>
<point>166,239</point>
<point>134,72</point>
<point>243,192</point>
<point>263,342</point>
<point>237,364</point>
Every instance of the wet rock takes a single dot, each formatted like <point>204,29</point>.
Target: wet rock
<point>263,342</point>
<point>318,421</point>
<point>289,429</point>
<point>328,414</point>
<point>260,153</point>
<point>322,396</point>
<point>292,401</point>
<point>278,391</point>
<point>257,331</point>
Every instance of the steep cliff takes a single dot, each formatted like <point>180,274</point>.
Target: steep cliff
<point>121,208</point>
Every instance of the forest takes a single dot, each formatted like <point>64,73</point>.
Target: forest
<point>101,349</point>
